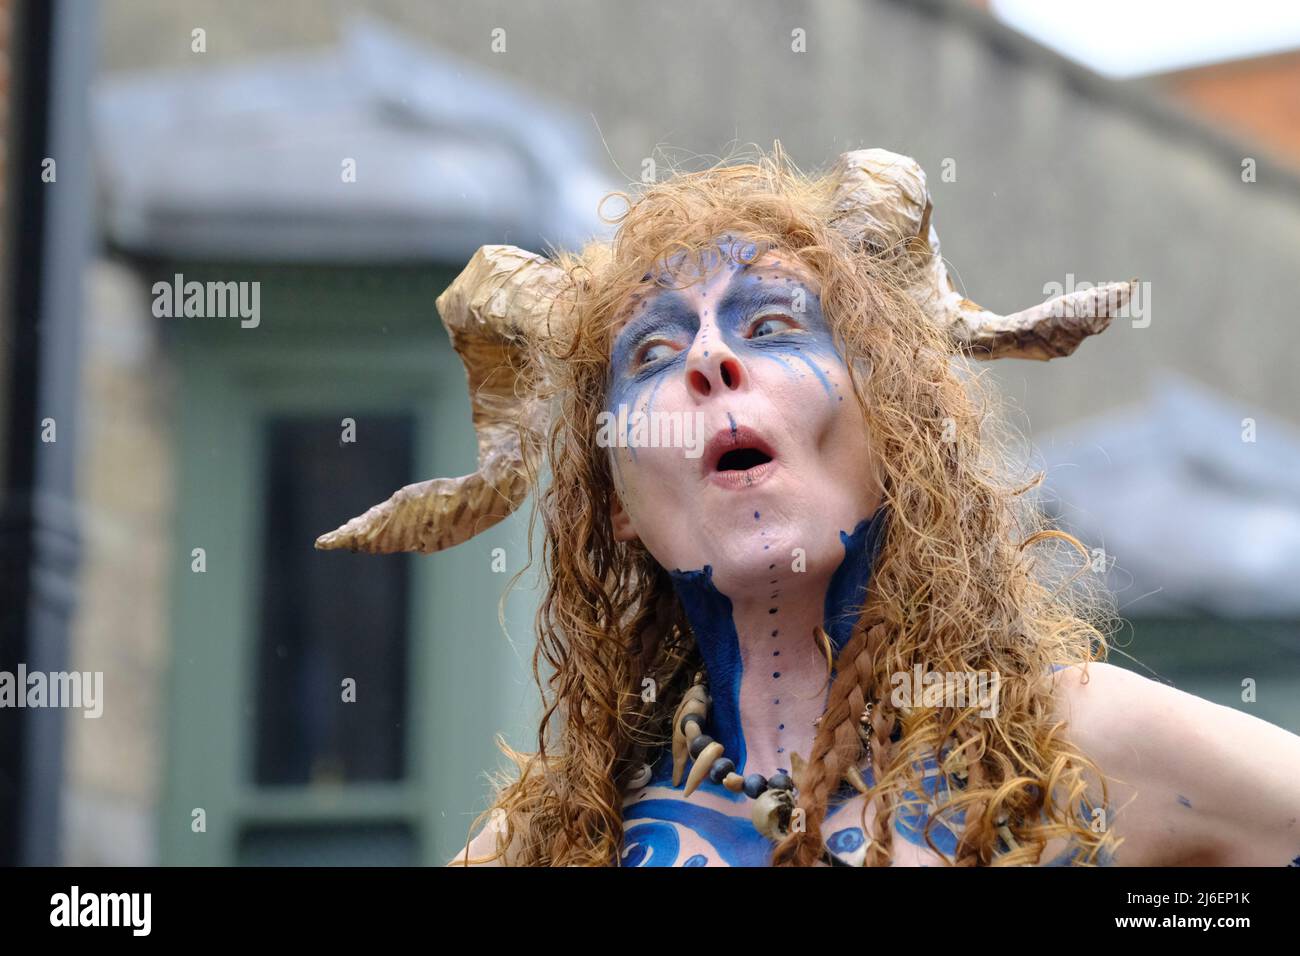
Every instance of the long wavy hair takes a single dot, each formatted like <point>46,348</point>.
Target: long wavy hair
<point>968,578</point>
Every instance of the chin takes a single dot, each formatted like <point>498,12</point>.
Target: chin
<point>743,560</point>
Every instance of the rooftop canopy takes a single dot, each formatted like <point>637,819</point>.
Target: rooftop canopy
<point>252,161</point>
<point>1194,497</point>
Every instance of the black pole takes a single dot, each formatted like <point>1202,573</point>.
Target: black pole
<point>47,246</point>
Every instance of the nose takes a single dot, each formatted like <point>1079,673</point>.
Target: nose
<point>712,368</point>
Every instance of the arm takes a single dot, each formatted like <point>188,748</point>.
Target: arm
<point>1191,782</point>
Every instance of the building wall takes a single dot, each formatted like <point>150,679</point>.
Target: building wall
<point>1056,173</point>
<point>127,495</point>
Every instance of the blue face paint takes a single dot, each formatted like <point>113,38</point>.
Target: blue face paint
<point>670,321</point>
<point>759,321</point>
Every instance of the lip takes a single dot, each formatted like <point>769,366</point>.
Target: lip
<point>728,439</point>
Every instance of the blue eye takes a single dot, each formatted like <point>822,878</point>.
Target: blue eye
<point>771,325</point>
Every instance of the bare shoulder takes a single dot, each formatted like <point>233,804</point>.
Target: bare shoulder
<point>1118,715</point>
<point>1091,697</point>
<point>482,850</point>
<point>1189,781</point>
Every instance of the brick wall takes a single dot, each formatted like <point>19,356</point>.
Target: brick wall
<point>1258,99</point>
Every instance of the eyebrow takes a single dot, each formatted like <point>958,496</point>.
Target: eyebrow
<point>670,307</point>
<point>743,292</point>
<point>749,295</point>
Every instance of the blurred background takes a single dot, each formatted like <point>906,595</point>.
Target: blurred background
<point>163,477</point>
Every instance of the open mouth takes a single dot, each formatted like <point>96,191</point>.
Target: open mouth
<point>738,457</point>
<point>743,459</point>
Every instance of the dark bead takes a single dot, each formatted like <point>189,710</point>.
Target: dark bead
<point>780,781</point>
<point>755,784</point>
<point>686,724</point>
<point>699,743</point>
<point>721,767</point>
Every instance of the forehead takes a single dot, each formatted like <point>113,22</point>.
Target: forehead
<point>721,273</point>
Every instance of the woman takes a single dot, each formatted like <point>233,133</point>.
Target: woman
<point>799,611</point>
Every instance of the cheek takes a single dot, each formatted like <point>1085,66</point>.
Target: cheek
<point>649,480</point>
<point>817,396</point>
<point>656,497</point>
<point>649,395</point>
<point>851,451</point>
<point>808,378</point>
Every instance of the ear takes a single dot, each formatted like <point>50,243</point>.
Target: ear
<point>620,520</point>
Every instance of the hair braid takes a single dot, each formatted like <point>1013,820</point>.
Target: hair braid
<point>974,825</point>
<point>836,747</point>
<point>880,849</point>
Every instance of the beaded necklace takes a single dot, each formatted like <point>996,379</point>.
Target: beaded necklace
<point>774,796</point>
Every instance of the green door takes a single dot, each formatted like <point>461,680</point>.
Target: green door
<point>329,707</point>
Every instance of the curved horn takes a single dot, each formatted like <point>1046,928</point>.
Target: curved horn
<point>880,200</point>
<point>496,312</point>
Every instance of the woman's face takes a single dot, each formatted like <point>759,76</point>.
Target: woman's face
<point>767,458</point>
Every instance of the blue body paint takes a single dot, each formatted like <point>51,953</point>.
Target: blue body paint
<point>661,775</point>
<point>709,611</point>
<point>733,838</point>
<point>710,615</point>
<point>650,844</point>
<point>911,820</point>
<point>1104,857</point>
<point>845,841</point>
<point>848,587</point>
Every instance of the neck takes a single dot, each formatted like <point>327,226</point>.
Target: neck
<point>767,671</point>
